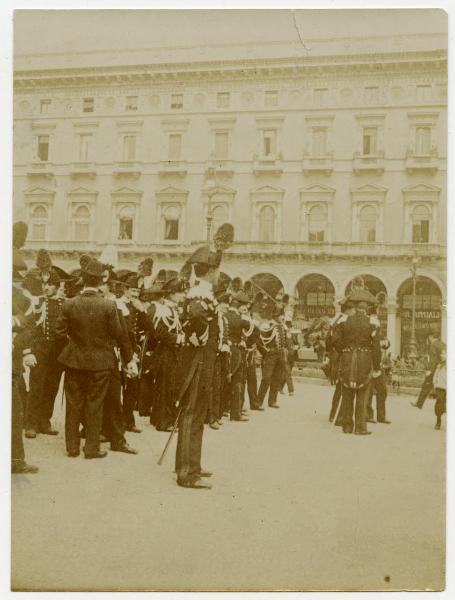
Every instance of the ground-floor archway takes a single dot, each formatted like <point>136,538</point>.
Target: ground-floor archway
<point>315,295</point>
<point>266,282</point>
<point>428,312</point>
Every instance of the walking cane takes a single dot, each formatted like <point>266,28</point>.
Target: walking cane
<point>168,443</point>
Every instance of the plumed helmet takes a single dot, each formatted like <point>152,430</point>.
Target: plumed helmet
<point>20,231</point>
<point>43,260</point>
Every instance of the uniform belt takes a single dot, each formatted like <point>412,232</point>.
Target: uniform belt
<point>358,348</point>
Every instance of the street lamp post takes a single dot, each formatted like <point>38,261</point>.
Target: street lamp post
<point>412,353</point>
<point>211,191</point>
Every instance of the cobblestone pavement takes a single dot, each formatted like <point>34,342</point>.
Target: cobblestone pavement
<point>295,504</point>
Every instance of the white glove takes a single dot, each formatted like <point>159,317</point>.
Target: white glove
<point>131,369</point>
<point>29,360</point>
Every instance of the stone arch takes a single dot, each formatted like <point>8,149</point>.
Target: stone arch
<point>315,295</point>
<point>369,274</point>
<point>269,282</point>
<point>428,311</point>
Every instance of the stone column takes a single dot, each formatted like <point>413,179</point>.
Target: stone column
<point>393,332</point>
<point>444,320</point>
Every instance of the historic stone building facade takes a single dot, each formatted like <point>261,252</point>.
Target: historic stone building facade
<point>330,161</point>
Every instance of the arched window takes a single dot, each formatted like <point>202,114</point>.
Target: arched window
<point>266,224</point>
<point>39,223</point>
<point>317,223</point>
<point>126,222</point>
<point>420,225</point>
<point>368,224</point>
<point>171,215</point>
<point>219,216</point>
<point>81,223</point>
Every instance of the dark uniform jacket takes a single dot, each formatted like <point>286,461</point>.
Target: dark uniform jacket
<point>93,327</point>
<point>357,340</point>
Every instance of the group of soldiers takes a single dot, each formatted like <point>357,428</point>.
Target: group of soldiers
<point>180,350</point>
<point>358,362</point>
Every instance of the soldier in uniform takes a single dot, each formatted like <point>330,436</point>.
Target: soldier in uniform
<point>357,341</point>
<point>272,340</point>
<point>347,309</point>
<point>221,371</point>
<point>22,330</point>
<point>134,315</point>
<point>200,325</point>
<point>237,324</point>
<point>151,298</point>
<point>113,429</point>
<point>251,338</point>
<point>168,333</point>
<point>379,384</point>
<point>46,375</point>
<point>92,326</point>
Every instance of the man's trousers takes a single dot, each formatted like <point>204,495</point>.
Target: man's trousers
<point>44,383</point>
<point>85,395</point>
<point>195,399</point>
<point>272,377</point>
<point>378,386</point>
<point>361,398</point>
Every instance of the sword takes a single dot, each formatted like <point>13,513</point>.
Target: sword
<point>142,355</point>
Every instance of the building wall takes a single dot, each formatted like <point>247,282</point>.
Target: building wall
<point>395,182</point>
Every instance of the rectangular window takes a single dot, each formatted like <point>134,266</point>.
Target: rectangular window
<point>421,232</point>
<point>320,96</point>
<point>81,232</point>
<point>88,105</point>
<point>176,101</point>
<point>221,144</point>
<point>316,236</point>
<point>319,141</point>
<point>175,146</point>
<point>222,99</point>
<point>44,106</point>
<point>131,103</point>
<point>369,140</point>
<point>84,147</point>
<point>39,232</point>
<point>129,147</point>
<point>269,142</point>
<point>171,229</point>
<point>371,94</point>
<point>125,231</point>
<point>423,141</point>
<point>43,147</point>
<point>271,98</point>
<point>423,92</point>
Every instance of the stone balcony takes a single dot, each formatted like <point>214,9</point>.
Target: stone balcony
<point>317,164</point>
<point>83,169</point>
<point>127,168</point>
<point>173,167</point>
<point>268,165</point>
<point>368,163</point>
<point>421,163</point>
<point>220,166</point>
<point>41,169</point>
<point>255,251</point>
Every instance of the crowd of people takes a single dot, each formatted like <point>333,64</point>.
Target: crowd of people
<point>180,350</point>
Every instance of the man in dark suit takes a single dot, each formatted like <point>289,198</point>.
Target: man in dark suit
<point>92,326</point>
<point>435,348</point>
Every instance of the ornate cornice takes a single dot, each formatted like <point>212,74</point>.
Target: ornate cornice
<point>245,69</point>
